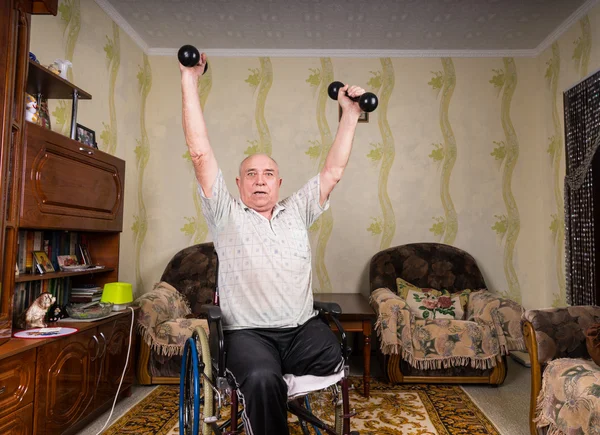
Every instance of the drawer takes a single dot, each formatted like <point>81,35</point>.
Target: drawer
<point>18,423</point>
<point>17,378</point>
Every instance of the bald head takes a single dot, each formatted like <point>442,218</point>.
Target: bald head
<point>261,156</point>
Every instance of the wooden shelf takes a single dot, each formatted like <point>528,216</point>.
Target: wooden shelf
<point>42,81</point>
<point>40,277</point>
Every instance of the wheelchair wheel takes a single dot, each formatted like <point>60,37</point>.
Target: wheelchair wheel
<point>339,418</point>
<point>194,409</point>
<point>189,390</point>
<point>202,346</point>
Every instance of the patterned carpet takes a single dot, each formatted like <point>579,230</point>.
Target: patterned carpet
<point>392,410</point>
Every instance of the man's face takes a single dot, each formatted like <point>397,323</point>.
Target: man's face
<point>259,183</point>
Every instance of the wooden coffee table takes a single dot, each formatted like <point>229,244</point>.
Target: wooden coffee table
<point>357,316</point>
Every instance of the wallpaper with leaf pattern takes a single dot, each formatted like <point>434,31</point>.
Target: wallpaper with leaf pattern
<point>463,151</point>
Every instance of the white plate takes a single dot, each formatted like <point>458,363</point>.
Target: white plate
<point>39,332</point>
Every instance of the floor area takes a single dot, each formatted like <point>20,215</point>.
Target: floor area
<point>507,406</point>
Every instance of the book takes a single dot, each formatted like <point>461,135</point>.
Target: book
<point>84,299</point>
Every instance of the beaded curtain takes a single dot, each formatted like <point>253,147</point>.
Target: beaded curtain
<point>582,179</point>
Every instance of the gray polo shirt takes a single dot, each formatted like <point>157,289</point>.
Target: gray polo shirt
<point>265,277</point>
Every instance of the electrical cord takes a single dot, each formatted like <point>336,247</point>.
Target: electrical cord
<point>123,375</point>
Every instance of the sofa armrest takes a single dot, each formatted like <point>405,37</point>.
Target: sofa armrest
<point>383,294</point>
<point>393,323</point>
<point>159,305</point>
<point>536,372</point>
<point>503,313</point>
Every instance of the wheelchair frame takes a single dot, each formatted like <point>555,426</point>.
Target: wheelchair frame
<point>197,414</point>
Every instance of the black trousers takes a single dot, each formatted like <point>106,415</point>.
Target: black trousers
<point>258,359</point>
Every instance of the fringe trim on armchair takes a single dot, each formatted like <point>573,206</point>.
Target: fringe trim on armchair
<point>541,421</point>
<point>167,350</point>
<point>515,344</point>
<point>447,362</point>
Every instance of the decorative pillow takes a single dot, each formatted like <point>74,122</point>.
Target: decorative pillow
<point>429,303</point>
<point>404,287</point>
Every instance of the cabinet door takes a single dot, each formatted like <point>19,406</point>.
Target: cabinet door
<point>114,354</point>
<point>19,422</point>
<point>70,185</point>
<point>65,381</point>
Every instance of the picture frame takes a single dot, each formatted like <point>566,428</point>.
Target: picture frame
<point>68,262</point>
<point>85,255</point>
<point>42,262</point>
<point>364,116</point>
<point>85,136</point>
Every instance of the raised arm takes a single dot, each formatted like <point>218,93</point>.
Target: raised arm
<point>339,153</point>
<point>194,127</point>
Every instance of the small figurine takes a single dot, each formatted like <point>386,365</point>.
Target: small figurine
<point>31,109</point>
<point>62,65</point>
<point>55,313</point>
<point>35,315</point>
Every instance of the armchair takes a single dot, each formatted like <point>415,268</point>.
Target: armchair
<point>565,392</point>
<point>416,345</point>
<point>169,312</point>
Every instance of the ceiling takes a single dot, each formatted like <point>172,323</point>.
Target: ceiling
<point>360,27</point>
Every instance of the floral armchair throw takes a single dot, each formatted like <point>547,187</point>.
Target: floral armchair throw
<point>450,350</point>
<point>565,382</point>
<point>168,312</point>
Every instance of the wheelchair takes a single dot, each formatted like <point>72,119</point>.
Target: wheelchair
<point>206,387</point>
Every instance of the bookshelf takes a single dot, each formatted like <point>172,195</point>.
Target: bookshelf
<point>56,187</point>
<point>55,275</point>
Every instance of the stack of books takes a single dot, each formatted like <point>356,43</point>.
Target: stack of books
<point>82,295</point>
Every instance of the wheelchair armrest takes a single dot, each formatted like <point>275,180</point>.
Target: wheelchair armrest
<point>216,338</point>
<point>327,308</point>
<point>334,310</point>
<point>212,311</point>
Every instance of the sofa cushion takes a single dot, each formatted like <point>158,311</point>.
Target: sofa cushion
<point>431,305</point>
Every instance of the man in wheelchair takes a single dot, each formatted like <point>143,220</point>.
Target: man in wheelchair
<point>270,327</point>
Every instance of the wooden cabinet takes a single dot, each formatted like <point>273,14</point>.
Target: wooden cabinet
<point>79,374</point>
<point>50,182</point>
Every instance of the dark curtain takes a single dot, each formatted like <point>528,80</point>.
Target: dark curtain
<point>582,191</point>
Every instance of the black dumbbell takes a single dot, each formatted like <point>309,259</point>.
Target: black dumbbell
<point>189,56</point>
<point>367,101</point>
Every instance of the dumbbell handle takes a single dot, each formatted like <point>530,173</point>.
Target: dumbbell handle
<point>367,101</point>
